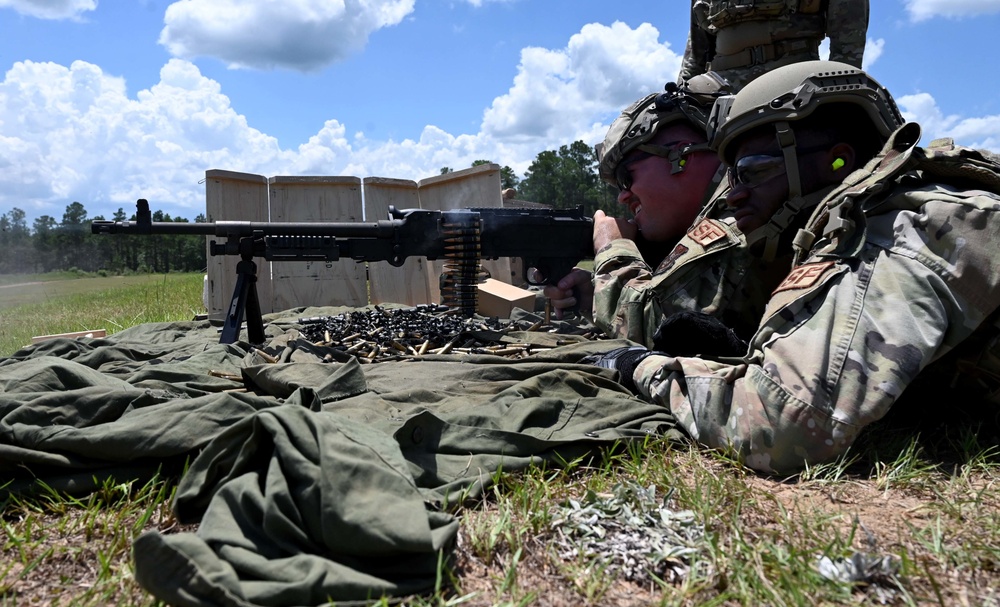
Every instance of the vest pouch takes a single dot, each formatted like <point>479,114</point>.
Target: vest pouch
<point>728,12</point>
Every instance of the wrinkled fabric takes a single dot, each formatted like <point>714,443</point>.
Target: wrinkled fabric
<point>310,481</point>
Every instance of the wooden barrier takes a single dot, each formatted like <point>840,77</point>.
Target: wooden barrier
<point>284,285</point>
<point>317,283</point>
<point>231,196</point>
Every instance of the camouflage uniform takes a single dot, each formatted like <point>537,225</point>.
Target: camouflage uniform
<point>742,39</point>
<point>902,276</point>
<point>707,271</point>
<point>629,298</point>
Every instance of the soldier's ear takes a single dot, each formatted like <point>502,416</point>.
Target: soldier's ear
<point>840,162</point>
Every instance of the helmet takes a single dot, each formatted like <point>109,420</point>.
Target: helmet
<point>787,94</point>
<point>690,102</point>
<point>791,93</point>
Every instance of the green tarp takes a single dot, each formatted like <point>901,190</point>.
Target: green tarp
<point>324,481</point>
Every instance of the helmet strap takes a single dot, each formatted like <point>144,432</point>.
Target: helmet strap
<point>786,139</point>
<point>771,232</point>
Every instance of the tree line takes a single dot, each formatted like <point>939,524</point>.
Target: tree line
<point>69,245</point>
<point>563,178</point>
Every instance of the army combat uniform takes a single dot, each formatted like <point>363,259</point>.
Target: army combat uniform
<point>901,275</point>
<point>742,39</point>
<point>710,270</point>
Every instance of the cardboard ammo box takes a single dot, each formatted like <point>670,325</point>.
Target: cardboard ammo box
<point>499,298</point>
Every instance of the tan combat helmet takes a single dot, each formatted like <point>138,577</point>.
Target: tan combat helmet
<point>789,94</point>
<point>690,102</point>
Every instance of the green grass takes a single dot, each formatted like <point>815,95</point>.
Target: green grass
<point>30,307</point>
<point>933,513</point>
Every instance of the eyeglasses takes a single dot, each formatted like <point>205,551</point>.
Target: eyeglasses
<point>756,169</point>
<point>670,151</point>
<point>752,171</point>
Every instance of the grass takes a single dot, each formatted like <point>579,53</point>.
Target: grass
<point>45,305</point>
<point>926,510</point>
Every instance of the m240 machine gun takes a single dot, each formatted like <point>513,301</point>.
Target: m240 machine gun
<point>550,241</point>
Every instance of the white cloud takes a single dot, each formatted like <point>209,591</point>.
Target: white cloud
<point>982,132</point>
<point>264,34</point>
<point>50,9</point>
<point>873,50</point>
<point>921,10</point>
<point>601,70</point>
<point>73,134</point>
<point>478,3</point>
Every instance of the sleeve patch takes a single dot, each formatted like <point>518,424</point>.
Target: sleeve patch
<point>669,261</point>
<point>804,276</point>
<point>706,232</point>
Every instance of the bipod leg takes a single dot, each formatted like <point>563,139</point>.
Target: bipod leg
<point>245,301</point>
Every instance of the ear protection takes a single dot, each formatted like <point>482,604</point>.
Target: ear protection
<point>838,164</point>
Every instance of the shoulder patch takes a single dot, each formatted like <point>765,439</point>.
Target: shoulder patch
<point>669,261</point>
<point>804,276</point>
<point>707,231</point>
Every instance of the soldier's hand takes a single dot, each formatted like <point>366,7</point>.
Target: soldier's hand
<point>575,291</point>
<point>607,229</point>
<point>624,360</point>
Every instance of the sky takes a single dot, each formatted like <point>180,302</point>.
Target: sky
<point>105,102</point>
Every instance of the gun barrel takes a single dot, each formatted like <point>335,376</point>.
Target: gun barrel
<point>351,229</point>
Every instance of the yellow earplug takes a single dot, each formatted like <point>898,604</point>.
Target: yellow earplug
<point>838,164</point>
<point>683,162</point>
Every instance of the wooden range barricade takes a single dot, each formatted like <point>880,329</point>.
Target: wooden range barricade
<point>237,196</point>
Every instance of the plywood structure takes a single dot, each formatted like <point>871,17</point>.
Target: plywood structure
<point>285,285</point>
<point>389,284</point>
<point>232,196</point>
<point>317,283</point>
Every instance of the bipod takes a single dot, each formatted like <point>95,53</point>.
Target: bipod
<point>245,301</point>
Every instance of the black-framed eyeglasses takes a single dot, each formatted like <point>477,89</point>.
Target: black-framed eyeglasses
<point>756,169</point>
<point>675,151</point>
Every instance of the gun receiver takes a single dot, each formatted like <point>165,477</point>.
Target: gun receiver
<point>550,241</point>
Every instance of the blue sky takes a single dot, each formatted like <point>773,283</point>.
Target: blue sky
<point>105,102</point>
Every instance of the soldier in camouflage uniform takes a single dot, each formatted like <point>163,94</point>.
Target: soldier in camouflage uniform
<point>656,153</point>
<point>715,269</point>
<point>895,279</point>
<point>742,39</point>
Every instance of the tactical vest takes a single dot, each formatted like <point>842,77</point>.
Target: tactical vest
<point>751,33</point>
<point>724,13</point>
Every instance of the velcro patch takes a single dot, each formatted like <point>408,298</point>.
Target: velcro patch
<point>669,261</point>
<point>804,276</point>
<point>706,232</point>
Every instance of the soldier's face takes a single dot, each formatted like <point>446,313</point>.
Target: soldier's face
<point>757,197</point>
<point>663,205</point>
<point>759,179</point>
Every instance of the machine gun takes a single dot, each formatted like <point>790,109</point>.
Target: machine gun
<point>550,241</point>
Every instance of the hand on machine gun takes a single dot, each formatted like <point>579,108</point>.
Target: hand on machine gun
<point>573,292</point>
